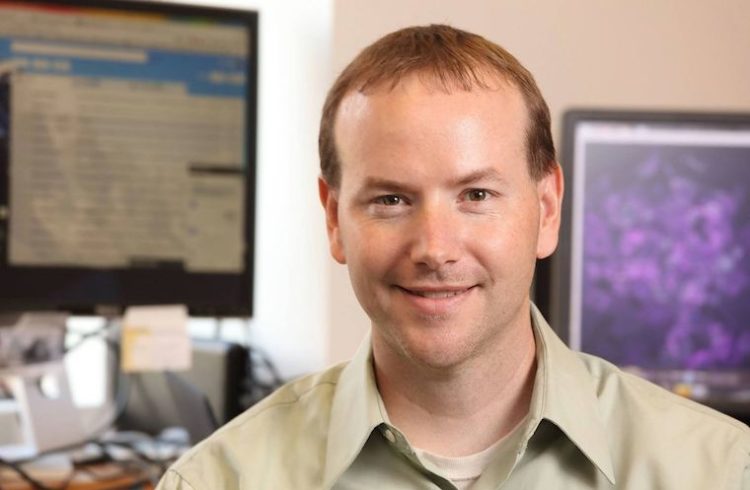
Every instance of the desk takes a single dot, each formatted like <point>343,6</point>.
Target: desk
<point>119,460</point>
<point>102,476</point>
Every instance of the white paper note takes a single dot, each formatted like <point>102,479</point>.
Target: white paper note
<point>155,338</point>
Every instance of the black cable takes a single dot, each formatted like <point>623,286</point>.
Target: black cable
<point>120,395</point>
<point>122,392</point>
<point>254,388</point>
<point>140,464</point>
<point>147,463</point>
<point>83,338</point>
<point>35,484</point>
<point>121,387</point>
<point>162,464</point>
<point>265,362</point>
<point>276,378</point>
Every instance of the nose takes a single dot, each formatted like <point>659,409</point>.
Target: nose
<point>437,237</point>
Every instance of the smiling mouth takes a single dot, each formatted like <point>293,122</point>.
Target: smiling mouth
<point>436,293</point>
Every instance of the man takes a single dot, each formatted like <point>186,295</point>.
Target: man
<point>441,190</point>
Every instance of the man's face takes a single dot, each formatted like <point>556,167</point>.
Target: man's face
<point>438,218</point>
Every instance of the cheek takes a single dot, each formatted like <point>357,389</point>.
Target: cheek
<point>504,255</point>
<point>369,251</point>
<point>371,269</point>
<point>507,247</point>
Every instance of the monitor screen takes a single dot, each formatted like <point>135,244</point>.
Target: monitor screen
<point>653,270</point>
<point>127,156</point>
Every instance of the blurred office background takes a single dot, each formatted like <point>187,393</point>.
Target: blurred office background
<point>669,55</point>
<point>666,56</point>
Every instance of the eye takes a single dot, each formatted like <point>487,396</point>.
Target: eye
<point>477,195</point>
<point>389,200</point>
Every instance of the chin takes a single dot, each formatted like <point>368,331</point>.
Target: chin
<point>440,361</point>
<point>439,351</point>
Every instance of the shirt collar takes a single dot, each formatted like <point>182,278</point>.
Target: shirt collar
<point>565,394</point>
<point>355,413</point>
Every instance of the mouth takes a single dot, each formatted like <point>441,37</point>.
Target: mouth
<point>436,293</point>
<point>438,301</point>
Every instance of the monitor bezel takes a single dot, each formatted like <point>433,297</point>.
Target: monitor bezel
<point>83,290</point>
<point>553,290</point>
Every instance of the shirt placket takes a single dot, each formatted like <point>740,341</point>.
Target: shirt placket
<point>398,442</point>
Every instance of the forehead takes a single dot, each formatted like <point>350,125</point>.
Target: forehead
<point>420,120</point>
<point>412,92</point>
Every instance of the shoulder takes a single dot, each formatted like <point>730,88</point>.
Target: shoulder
<point>289,425</point>
<point>648,423</point>
<point>622,393</point>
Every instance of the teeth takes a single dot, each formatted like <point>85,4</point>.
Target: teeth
<point>437,294</point>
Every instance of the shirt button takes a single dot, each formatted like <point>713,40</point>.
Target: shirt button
<point>389,435</point>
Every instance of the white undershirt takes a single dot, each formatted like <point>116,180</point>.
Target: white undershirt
<point>464,471</point>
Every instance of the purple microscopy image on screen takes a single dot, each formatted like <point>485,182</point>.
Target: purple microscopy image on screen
<point>666,256</point>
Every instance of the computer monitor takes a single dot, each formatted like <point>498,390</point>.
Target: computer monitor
<point>653,268</point>
<point>127,156</point>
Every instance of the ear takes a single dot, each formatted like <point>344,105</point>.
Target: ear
<point>550,190</point>
<point>329,200</point>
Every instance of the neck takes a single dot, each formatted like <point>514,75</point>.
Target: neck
<point>459,410</point>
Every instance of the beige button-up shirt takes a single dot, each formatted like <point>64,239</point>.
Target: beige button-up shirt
<point>590,426</point>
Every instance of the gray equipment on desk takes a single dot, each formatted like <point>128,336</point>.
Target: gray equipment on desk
<point>37,408</point>
<point>199,399</point>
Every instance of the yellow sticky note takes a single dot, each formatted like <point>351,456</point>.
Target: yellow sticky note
<point>155,338</point>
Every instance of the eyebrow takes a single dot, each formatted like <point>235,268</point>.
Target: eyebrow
<point>487,174</point>
<point>478,176</point>
<point>386,184</point>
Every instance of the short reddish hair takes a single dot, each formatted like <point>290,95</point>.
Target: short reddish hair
<point>453,58</point>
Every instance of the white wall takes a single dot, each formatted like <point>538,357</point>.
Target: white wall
<point>291,308</point>
<point>679,54</point>
<point>291,319</point>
